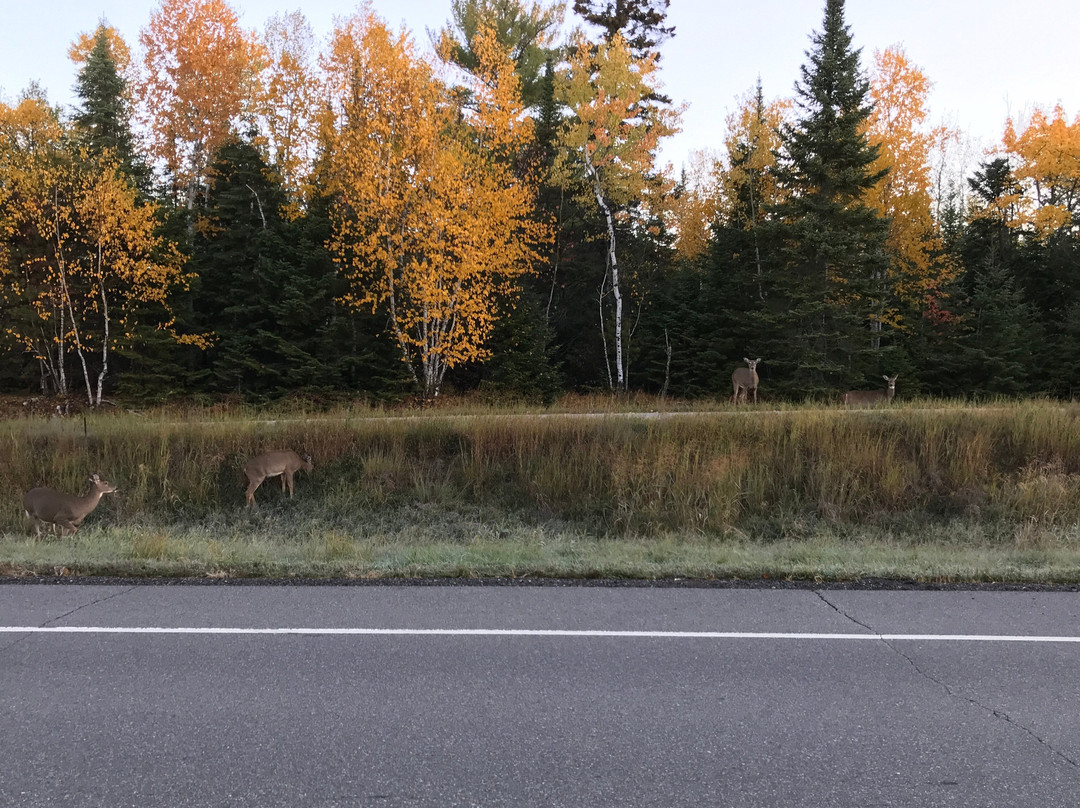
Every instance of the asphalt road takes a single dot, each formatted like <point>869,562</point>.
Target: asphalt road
<point>146,696</point>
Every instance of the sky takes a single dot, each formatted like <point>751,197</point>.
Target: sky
<point>988,59</point>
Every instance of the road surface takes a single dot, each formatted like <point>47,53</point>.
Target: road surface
<point>150,695</point>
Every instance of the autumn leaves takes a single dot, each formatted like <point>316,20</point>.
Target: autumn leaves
<point>435,215</point>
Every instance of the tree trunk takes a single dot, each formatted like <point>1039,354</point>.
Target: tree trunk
<point>613,268</point>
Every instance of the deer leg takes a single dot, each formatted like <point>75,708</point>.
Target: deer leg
<point>287,478</point>
<point>249,495</point>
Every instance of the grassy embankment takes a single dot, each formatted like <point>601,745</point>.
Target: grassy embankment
<point>928,491</point>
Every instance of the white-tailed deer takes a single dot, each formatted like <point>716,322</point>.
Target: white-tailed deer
<point>275,464</point>
<point>64,512</point>
<point>744,380</point>
<point>856,398</point>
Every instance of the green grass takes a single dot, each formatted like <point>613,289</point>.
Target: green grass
<point>922,491</point>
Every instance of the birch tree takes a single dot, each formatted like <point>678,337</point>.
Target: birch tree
<point>608,148</point>
<point>200,78</point>
<point>431,222</point>
<point>84,259</point>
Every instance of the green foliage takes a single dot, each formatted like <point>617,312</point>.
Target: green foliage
<point>640,22</point>
<point>267,288</point>
<point>525,30</point>
<point>833,246</point>
<point>103,122</point>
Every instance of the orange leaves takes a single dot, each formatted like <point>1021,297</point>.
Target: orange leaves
<point>898,127</point>
<point>1046,162</point>
<point>430,222</point>
<point>80,49</point>
<point>201,70</point>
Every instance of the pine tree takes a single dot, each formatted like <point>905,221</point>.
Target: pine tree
<point>833,259</point>
<point>641,22</point>
<point>524,29</point>
<point>104,121</point>
<point>266,290</point>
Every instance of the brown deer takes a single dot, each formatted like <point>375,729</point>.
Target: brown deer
<point>60,511</point>
<point>282,464</point>
<point>745,380</point>
<point>868,398</point>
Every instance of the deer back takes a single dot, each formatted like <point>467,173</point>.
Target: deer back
<point>271,464</point>
<point>865,396</point>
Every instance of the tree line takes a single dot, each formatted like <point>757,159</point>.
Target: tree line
<point>242,212</point>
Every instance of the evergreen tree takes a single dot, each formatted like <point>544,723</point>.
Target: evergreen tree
<point>104,121</point>
<point>833,245</point>
<point>265,289</point>
<point>997,350</point>
<point>641,22</point>
<point>524,30</point>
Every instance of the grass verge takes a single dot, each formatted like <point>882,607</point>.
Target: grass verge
<point>949,494</point>
<point>472,545</point>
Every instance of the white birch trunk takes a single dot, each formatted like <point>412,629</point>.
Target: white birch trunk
<point>613,264</point>
<point>104,346</point>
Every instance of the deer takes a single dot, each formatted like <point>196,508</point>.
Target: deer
<point>745,380</point>
<point>63,512</point>
<point>282,464</point>
<point>871,397</point>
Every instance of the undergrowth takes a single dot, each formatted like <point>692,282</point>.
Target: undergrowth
<point>506,492</point>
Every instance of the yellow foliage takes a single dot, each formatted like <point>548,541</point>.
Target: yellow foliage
<point>613,129</point>
<point>200,78</point>
<point>1046,163</point>
<point>693,207</point>
<point>918,271</point>
<point>89,253</point>
<point>431,222</point>
<point>288,101</point>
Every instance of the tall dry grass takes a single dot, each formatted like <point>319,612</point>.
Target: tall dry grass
<point>617,475</point>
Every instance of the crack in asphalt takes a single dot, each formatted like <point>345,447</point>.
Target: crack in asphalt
<point>82,606</point>
<point>21,638</point>
<point>952,694</point>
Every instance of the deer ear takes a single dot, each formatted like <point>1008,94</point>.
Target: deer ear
<point>758,359</point>
<point>886,378</point>
<point>94,477</point>
<point>747,361</point>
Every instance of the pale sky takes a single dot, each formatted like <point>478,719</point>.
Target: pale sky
<point>987,58</point>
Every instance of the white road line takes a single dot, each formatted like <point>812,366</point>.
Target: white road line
<point>511,632</point>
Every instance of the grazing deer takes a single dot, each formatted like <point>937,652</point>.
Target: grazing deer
<point>275,464</point>
<point>870,397</point>
<point>63,511</point>
<point>745,380</point>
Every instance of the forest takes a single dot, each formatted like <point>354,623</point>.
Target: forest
<point>260,214</point>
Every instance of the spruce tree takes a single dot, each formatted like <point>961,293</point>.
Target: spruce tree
<point>104,119</point>
<point>266,290</point>
<point>832,257</point>
<point>641,22</point>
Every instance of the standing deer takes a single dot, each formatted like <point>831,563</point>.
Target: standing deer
<point>282,464</point>
<point>63,511</point>
<point>870,397</point>
<point>745,379</point>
